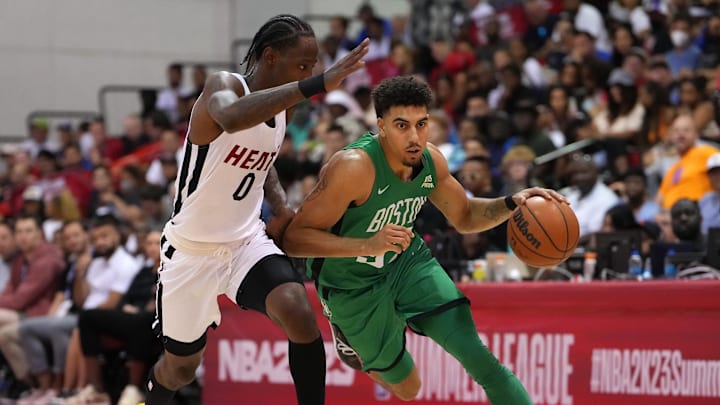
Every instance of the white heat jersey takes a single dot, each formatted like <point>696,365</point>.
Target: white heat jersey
<point>219,189</point>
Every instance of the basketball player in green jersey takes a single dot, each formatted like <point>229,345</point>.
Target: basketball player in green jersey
<point>374,276</point>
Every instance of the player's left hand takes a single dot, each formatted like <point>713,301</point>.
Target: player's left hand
<point>522,196</point>
<point>275,227</point>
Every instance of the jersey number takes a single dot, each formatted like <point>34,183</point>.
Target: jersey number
<point>375,261</point>
<point>244,188</point>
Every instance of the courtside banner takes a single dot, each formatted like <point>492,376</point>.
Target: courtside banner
<point>652,342</point>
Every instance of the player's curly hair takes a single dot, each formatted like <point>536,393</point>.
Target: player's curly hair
<point>280,32</point>
<point>400,91</point>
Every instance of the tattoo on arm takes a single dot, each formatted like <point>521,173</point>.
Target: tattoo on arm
<point>257,107</point>
<point>274,193</point>
<point>495,209</point>
<point>319,188</point>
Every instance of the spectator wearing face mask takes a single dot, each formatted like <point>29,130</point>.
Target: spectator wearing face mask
<point>684,56</point>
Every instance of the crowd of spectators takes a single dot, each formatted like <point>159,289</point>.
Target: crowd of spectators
<point>514,81</point>
<point>633,82</point>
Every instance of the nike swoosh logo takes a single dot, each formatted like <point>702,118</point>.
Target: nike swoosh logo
<point>382,190</point>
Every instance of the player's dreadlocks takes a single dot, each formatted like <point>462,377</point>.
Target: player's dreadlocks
<point>400,91</point>
<point>280,32</point>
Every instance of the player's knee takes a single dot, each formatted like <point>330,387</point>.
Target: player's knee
<point>288,306</point>
<point>288,303</point>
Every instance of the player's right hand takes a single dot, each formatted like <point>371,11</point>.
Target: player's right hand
<point>393,238</point>
<point>345,66</point>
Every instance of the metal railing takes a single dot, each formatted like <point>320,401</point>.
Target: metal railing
<point>565,150</point>
<point>7,139</point>
<point>60,114</point>
<point>51,115</point>
<point>210,66</point>
<point>139,89</point>
<point>121,88</point>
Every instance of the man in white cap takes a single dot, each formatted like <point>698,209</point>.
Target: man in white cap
<point>710,202</point>
<point>345,111</point>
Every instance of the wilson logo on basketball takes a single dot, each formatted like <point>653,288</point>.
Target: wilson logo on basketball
<point>522,226</point>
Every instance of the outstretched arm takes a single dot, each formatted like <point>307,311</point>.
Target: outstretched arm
<point>345,179</point>
<point>274,193</point>
<point>234,113</point>
<point>471,215</point>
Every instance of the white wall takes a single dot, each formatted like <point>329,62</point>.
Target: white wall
<point>57,54</point>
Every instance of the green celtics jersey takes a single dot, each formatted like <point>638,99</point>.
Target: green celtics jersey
<point>392,201</point>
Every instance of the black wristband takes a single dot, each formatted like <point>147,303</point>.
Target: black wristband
<point>510,203</point>
<point>312,85</point>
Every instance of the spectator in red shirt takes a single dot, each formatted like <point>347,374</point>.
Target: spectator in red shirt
<point>451,58</point>
<point>104,149</point>
<point>76,175</point>
<point>34,277</point>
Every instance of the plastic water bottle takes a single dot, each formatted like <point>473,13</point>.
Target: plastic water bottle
<point>589,266</point>
<point>635,265</point>
<point>498,268</point>
<point>479,269</point>
<point>670,270</point>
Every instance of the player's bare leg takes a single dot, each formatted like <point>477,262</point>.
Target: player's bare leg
<point>175,372</point>
<point>169,374</point>
<point>288,306</point>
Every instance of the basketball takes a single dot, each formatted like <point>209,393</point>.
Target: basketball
<point>543,233</point>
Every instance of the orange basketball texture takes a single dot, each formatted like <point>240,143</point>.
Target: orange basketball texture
<point>543,233</point>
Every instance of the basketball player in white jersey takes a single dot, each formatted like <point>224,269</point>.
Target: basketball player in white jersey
<point>215,242</point>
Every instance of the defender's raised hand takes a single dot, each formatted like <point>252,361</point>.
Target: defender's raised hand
<point>345,66</point>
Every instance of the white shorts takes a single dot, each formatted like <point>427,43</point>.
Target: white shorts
<point>190,282</point>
